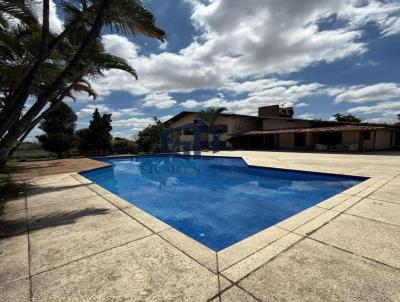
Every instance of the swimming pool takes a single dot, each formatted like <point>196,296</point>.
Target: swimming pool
<point>217,201</point>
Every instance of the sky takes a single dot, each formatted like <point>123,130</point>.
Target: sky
<point>320,56</point>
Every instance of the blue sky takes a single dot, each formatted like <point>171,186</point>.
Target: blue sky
<point>320,56</point>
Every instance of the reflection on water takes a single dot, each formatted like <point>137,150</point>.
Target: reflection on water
<point>216,201</point>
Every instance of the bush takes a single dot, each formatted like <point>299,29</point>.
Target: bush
<point>123,145</point>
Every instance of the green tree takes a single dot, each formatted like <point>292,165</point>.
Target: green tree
<point>122,145</point>
<point>83,139</point>
<point>42,66</point>
<point>149,138</point>
<point>346,118</point>
<point>98,136</point>
<point>59,127</point>
<point>210,115</point>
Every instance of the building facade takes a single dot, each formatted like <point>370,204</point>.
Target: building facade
<point>275,129</point>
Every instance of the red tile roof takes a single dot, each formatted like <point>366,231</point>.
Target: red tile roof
<point>339,128</point>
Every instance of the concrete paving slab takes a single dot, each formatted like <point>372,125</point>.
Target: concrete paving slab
<point>59,195</point>
<point>37,188</point>
<point>67,212</point>
<point>13,203</point>
<point>356,189</point>
<point>333,201</point>
<point>60,244</point>
<point>98,189</point>
<point>378,210</point>
<point>224,283</point>
<point>301,218</point>
<point>236,294</point>
<point>117,201</point>
<point>194,249</point>
<point>366,192</point>
<point>343,206</point>
<point>13,223</point>
<point>311,271</point>
<point>248,246</point>
<point>81,178</point>
<point>148,220</point>
<point>149,269</point>
<point>386,194</point>
<point>316,223</point>
<point>249,264</point>
<point>14,258</point>
<point>375,240</point>
<point>17,291</point>
<point>57,178</point>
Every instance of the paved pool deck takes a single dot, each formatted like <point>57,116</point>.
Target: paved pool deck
<point>66,239</point>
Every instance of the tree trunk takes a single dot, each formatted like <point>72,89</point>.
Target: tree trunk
<point>11,112</point>
<point>14,131</point>
<point>8,147</point>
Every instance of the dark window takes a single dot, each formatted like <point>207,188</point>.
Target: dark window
<point>188,131</point>
<point>329,138</point>
<point>299,139</point>
<point>366,135</point>
<point>222,128</point>
<point>397,138</point>
<point>269,141</point>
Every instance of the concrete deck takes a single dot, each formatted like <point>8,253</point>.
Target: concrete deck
<point>28,170</point>
<point>66,239</point>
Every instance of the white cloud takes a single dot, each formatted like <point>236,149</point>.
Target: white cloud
<point>55,23</point>
<point>130,111</point>
<point>158,100</point>
<point>287,94</point>
<point>256,85</point>
<point>120,46</point>
<point>133,122</point>
<point>190,104</point>
<point>384,14</point>
<point>299,105</point>
<point>376,92</point>
<point>163,45</point>
<point>255,38</point>
<point>306,116</point>
<point>89,109</point>
<point>386,110</point>
<point>103,108</point>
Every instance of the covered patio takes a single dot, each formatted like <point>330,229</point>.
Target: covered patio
<point>351,138</point>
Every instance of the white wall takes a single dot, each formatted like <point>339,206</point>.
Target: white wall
<point>235,125</point>
<point>270,124</point>
<point>382,139</point>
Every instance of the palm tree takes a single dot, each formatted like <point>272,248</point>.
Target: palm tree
<point>46,67</point>
<point>210,116</point>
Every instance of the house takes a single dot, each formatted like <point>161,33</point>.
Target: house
<point>274,128</point>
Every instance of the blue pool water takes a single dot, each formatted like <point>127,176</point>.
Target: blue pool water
<point>217,201</point>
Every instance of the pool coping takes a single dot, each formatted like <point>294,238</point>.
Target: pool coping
<point>238,260</point>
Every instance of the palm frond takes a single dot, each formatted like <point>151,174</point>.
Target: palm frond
<point>130,17</point>
<point>105,61</point>
<point>85,86</point>
<point>19,9</point>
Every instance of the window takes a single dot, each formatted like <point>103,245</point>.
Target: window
<point>366,135</point>
<point>299,139</point>
<point>188,131</point>
<point>222,128</point>
<point>329,138</point>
